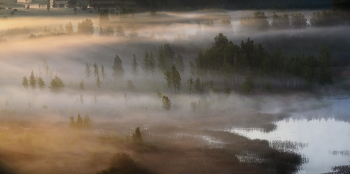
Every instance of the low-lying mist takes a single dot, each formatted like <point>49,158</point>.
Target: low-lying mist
<point>36,131</point>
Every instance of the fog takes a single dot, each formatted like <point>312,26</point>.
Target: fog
<point>34,123</point>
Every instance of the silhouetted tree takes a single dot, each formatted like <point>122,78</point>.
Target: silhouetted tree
<point>118,70</point>
<point>48,4</point>
<point>152,63</point>
<point>32,81</point>
<point>87,123</point>
<point>134,65</point>
<point>190,84</point>
<point>86,27</point>
<point>56,84</point>
<point>25,82</point>
<point>98,82</point>
<point>87,70</point>
<point>298,21</point>
<point>81,85</point>
<point>166,103</point>
<point>69,28</point>
<point>137,137</point>
<point>95,69</point>
<point>146,64</point>
<point>103,72</point>
<point>176,78</point>
<point>41,83</point>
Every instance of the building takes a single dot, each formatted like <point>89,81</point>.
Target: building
<point>62,3</point>
<point>24,1</point>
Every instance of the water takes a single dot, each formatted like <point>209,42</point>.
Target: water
<point>322,136</point>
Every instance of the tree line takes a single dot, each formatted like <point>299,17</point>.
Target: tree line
<point>250,59</point>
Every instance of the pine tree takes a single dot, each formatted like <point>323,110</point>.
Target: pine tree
<point>166,103</point>
<point>87,123</point>
<point>41,83</point>
<point>79,123</point>
<point>87,70</point>
<point>168,78</point>
<point>95,69</point>
<point>190,83</point>
<point>32,80</point>
<point>176,78</point>
<point>162,63</point>
<point>118,70</point>
<point>134,65</point>
<point>152,63</point>
<point>95,99</point>
<point>198,86</point>
<point>81,85</point>
<point>48,5</point>
<point>137,137</point>
<point>25,82</point>
<point>98,82</point>
<point>69,28</point>
<point>145,64</point>
<point>56,84</point>
<point>103,72</point>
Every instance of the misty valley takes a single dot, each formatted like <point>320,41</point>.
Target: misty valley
<point>143,87</point>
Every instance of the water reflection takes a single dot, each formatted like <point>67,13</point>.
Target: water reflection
<point>315,138</point>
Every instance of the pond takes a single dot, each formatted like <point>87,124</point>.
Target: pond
<point>322,136</point>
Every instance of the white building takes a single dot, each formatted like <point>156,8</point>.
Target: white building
<point>24,1</point>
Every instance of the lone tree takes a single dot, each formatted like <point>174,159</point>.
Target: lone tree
<point>118,70</point>
<point>87,70</point>
<point>95,69</point>
<point>25,82</point>
<point>48,5</point>
<point>137,137</point>
<point>41,83</point>
<point>86,27</point>
<point>190,84</point>
<point>134,65</point>
<point>56,84</point>
<point>103,72</point>
<point>32,80</point>
<point>166,103</point>
<point>98,82</point>
<point>81,85</point>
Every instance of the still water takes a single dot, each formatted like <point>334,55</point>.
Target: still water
<point>321,135</point>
